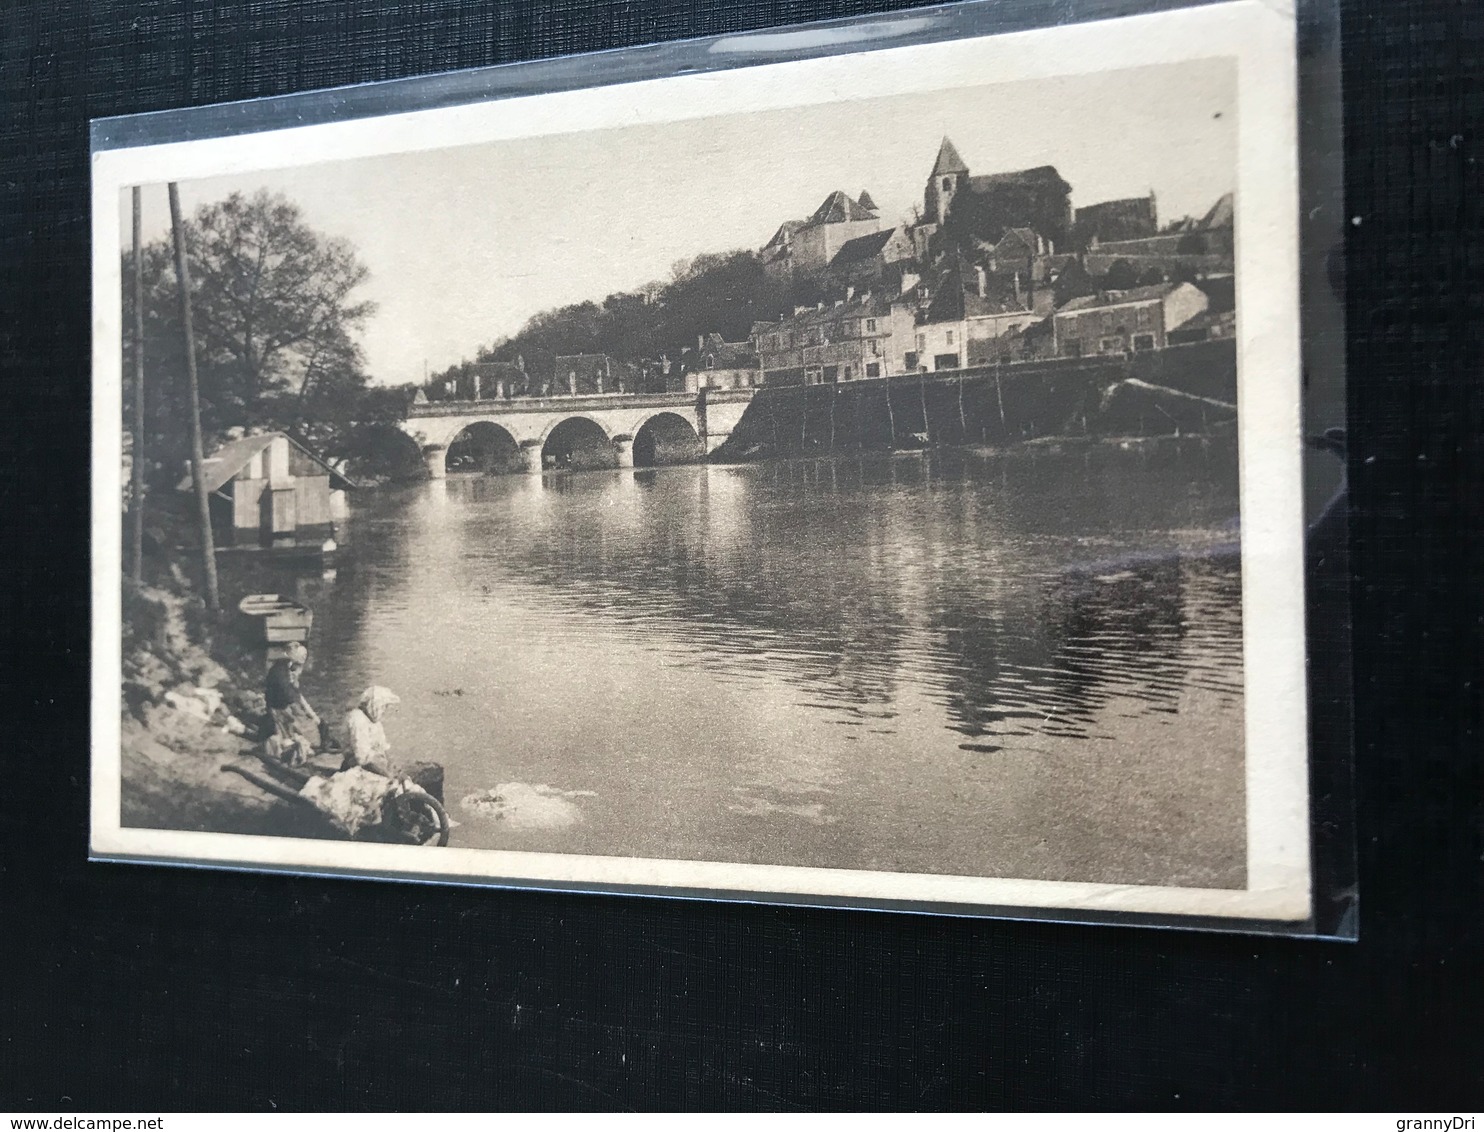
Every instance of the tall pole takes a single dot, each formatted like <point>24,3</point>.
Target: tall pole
<point>198,458</point>
<point>136,495</point>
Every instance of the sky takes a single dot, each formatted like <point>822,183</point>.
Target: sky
<point>465,244</point>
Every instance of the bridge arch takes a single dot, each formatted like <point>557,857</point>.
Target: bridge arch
<point>483,446</point>
<point>577,442</point>
<point>383,452</point>
<point>666,438</point>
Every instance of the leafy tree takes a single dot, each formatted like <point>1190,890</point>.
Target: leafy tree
<point>1192,243</point>
<point>1121,276</point>
<point>1073,282</point>
<point>276,324</point>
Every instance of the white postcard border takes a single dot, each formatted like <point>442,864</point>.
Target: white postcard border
<point>1259,36</point>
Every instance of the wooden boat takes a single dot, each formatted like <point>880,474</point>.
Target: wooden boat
<point>280,619</point>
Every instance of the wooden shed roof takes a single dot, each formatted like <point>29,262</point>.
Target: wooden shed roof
<point>234,455</point>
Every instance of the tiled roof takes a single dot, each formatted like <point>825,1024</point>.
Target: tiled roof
<point>957,296</point>
<point>1041,174</point>
<point>862,248</point>
<point>837,209</point>
<point>730,355</point>
<point>1221,214</point>
<point>1026,236</point>
<point>785,231</point>
<point>1118,298</point>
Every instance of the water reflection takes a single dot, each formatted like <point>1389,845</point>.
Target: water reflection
<point>814,626</point>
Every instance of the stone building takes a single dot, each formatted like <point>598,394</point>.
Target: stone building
<point>808,246</point>
<point>718,364</point>
<point>956,322</point>
<point>1133,218</point>
<point>1120,322</point>
<point>847,341</point>
<point>1037,198</point>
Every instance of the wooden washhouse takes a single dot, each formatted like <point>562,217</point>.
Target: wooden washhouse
<point>268,490</point>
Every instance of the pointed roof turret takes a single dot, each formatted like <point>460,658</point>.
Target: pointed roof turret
<point>865,201</point>
<point>948,160</point>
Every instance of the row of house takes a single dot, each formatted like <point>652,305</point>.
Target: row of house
<point>965,321</point>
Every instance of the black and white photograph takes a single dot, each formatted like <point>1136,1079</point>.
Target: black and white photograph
<point>868,479</point>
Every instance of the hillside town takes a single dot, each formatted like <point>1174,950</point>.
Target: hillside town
<point>994,268</point>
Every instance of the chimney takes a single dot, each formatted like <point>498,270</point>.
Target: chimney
<point>850,292</point>
<point>980,279</point>
<point>700,342</point>
<point>476,386</point>
<point>1050,247</point>
<point>1019,299</point>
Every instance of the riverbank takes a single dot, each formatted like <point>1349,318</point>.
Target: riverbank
<point>189,707</point>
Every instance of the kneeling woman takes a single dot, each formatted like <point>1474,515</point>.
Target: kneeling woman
<point>368,745</point>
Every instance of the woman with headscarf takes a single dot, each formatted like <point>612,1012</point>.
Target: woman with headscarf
<point>296,727</point>
<point>368,746</point>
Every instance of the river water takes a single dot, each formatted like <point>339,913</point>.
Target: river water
<point>1023,664</point>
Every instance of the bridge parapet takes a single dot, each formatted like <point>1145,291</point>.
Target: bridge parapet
<point>569,403</point>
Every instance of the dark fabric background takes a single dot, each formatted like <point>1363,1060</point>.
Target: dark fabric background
<point>143,988</point>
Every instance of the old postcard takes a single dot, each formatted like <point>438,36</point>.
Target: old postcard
<point>870,479</point>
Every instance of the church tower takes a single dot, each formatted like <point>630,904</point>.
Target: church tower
<point>948,176</point>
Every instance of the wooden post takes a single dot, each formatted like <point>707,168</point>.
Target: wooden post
<point>198,457</point>
<point>136,478</point>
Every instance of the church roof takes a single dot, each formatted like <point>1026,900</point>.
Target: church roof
<point>1041,174</point>
<point>948,160</point>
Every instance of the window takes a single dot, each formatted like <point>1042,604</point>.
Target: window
<point>870,326</point>
<point>1072,348</point>
<point>873,369</point>
<point>909,362</point>
<point>710,361</point>
<point>1143,341</point>
<point>875,347</point>
<point>1107,321</point>
<point>845,374</point>
<point>921,343</point>
<point>813,375</point>
<point>950,338</point>
<point>945,361</point>
<point>1111,345</point>
<point>1143,318</point>
<point>948,184</point>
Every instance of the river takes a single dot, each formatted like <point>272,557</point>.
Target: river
<point>1024,664</point>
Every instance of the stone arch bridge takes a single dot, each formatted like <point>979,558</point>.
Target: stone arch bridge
<point>701,421</point>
